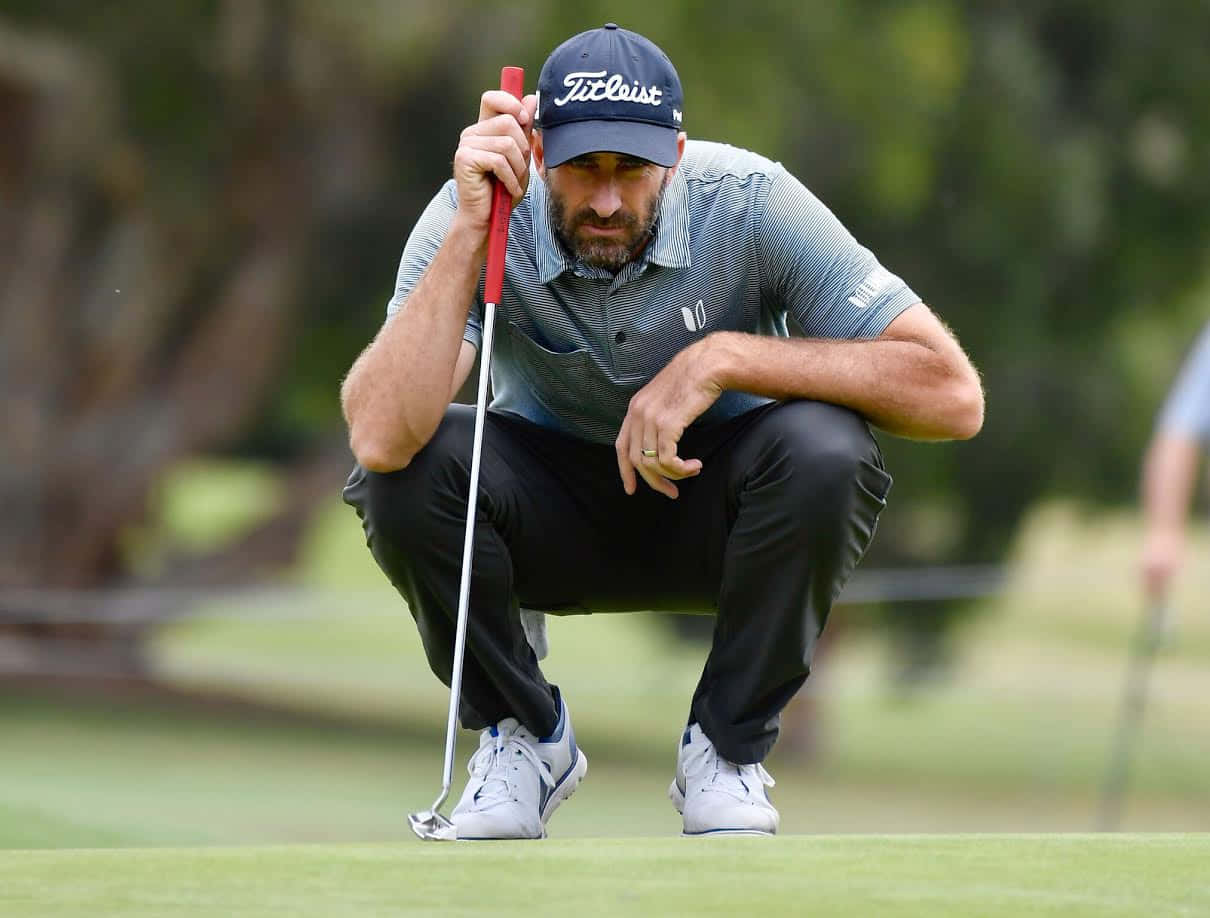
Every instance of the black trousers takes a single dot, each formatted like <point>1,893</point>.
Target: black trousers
<point>764,538</point>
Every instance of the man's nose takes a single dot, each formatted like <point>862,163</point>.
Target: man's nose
<point>605,199</point>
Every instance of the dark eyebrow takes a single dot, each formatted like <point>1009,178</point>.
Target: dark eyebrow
<point>588,160</point>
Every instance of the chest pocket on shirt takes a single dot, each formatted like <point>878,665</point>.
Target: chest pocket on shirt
<point>568,385</point>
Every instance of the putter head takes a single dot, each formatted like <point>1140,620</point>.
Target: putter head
<point>429,825</point>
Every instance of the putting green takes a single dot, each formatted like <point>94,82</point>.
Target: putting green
<point>1068,875</point>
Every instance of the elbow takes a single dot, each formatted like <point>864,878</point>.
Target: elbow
<point>969,426</point>
<point>968,405</point>
<point>374,455</point>
<point>373,451</point>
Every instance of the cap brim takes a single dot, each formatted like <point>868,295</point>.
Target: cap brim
<point>653,142</point>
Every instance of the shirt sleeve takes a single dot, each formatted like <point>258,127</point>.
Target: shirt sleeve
<point>814,269</point>
<point>422,245</point>
<point>1187,409</point>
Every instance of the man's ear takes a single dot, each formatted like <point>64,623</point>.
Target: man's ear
<point>539,157</point>
<point>681,137</point>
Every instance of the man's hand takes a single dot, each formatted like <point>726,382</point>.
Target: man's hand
<point>1163,552</point>
<point>1170,470</point>
<point>656,419</point>
<point>497,145</point>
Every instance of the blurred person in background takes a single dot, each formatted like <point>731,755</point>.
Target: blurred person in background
<point>644,339</point>
<point>1170,470</point>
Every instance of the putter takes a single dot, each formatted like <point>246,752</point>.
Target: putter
<point>429,824</point>
<point>1150,636</point>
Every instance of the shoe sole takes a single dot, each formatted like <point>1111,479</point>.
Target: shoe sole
<point>565,788</point>
<point>730,833</point>
<point>677,796</point>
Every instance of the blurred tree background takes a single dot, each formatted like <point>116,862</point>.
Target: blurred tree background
<point>203,204</point>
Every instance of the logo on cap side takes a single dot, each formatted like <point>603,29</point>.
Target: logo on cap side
<point>585,86</point>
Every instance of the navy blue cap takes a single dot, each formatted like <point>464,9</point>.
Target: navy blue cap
<point>609,90</point>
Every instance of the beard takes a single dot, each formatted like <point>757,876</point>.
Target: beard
<point>611,252</point>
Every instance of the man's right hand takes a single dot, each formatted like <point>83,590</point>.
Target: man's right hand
<point>1162,555</point>
<point>497,145</point>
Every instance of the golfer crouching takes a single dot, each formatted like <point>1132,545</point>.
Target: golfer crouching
<point>655,439</point>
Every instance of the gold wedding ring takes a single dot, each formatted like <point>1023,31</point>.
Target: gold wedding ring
<point>650,453</point>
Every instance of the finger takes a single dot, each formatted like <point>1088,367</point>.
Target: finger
<point>665,462</point>
<point>518,157</point>
<point>658,482</point>
<point>650,468</point>
<point>645,459</point>
<point>680,469</point>
<point>672,465</point>
<point>498,102</point>
<point>503,127</point>
<point>643,447</point>
<point>530,107</point>
<point>486,162</point>
<point>621,446</point>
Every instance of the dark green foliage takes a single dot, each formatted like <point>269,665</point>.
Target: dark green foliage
<point>1037,171</point>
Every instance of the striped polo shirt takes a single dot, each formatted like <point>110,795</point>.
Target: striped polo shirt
<point>740,245</point>
<point>1186,411</point>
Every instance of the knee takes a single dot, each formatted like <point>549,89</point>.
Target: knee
<point>826,450</point>
<point>394,506</point>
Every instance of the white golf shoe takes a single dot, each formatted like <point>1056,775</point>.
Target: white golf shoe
<point>517,780</point>
<point>717,797</point>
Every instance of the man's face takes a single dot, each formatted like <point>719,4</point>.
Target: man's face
<point>603,206</point>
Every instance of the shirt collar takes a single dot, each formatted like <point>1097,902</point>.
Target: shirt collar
<point>669,248</point>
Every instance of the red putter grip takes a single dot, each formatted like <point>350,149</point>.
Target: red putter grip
<point>512,80</point>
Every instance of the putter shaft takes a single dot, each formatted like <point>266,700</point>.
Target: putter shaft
<point>468,546</point>
<point>1146,644</point>
<point>432,825</point>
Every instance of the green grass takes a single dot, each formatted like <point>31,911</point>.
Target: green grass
<point>99,775</point>
<point>131,807</point>
<point>1016,739</point>
<point>860,875</point>
<point>1027,715</point>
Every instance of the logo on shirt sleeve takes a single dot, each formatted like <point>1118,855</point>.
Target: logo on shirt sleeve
<point>872,287</point>
<point>695,318</point>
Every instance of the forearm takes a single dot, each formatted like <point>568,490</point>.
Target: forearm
<point>397,391</point>
<point>1169,475</point>
<point>922,390</point>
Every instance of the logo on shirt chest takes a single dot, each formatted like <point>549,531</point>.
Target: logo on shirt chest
<point>695,318</point>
